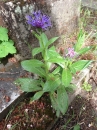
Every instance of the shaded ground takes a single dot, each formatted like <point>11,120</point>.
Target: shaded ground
<point>38,115</point>
<point>80,112</point>
<point>28,115</point>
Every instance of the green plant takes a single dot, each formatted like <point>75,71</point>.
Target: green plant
<point>87,87</point>
<point>69,120</point>
<point>85,14</point>
<point>6,45</point>
<point>76,127</point>
<point>55,81</point>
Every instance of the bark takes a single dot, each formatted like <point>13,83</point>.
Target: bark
<point>64,15</point>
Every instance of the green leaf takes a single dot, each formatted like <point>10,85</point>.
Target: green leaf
<point>37,95</point>
<point>6,48</point>
<point>80,40</point>
<point>79,65</point>
<point>66,77</point>
<point>9,47</point>
<point>39,38</point>
<point>28,85</point>
<point>52,53</point>
<point>37,50</point>
<point>71,87</point>
<point>52,84</point>
<point>3,34</point>
<point>54,103</point>
<point>59,61</point>
<point>52,40</point>
<point>84,50</point>
<point>37,70</point>
<point>11,42</point>
<point>62,99</point>
<point>31,63</point>
<point>36,35</point>
<point>57,70</point>
<point>34,66</point>
<point>44,39</point>
<point>76,127</point>
<point>54,57</point>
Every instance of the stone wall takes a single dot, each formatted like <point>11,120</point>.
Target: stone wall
<point>64,15</point>
<point>90,4</point>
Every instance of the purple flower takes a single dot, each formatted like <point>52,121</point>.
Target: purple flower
<point>39,20</point>
<point>71,52</point>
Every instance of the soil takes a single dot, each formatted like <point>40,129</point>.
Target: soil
<point>29,115</point>
<point>80,112</point>
<point>38,115</point>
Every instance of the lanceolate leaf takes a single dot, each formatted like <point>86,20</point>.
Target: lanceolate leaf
<point>84,50</point>
<point>52,53</point>
<point>80,41</point>
<point>66,77</point>
<point>33,66</point>
<point>28,85</point>
<point>62,99</point>
<point>36,35</point>
<point>31,63</point>
<point>56,71</point>
<point>54,57</point>
<point>53,98</point>
<point>44,39</point>
<point>52,84</point>
<point>57,60</point>
<point>37,50</point>
<point>52,40</point>
<point>37,95</point>
<point>79,65</point>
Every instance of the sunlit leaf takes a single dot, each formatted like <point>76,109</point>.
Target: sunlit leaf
<point>44,39</point>
<point>84,50</point>
<point>33,63</point>
<point>66,77</point>
<point>7,48</point>
<point>37,95</point>
<point>3,34</point>
<point>36,51</point>
<point>56,71</point>
<point>52,40</point>
<point>79,65</point>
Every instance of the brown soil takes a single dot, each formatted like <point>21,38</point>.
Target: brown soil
<point>38,115</point>
<point>80,112</point>
<point>29,115</point>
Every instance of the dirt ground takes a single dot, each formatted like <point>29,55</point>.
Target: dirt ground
<point>80,112</point>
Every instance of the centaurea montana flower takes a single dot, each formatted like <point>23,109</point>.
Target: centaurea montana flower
<point>39,20</point>
<point>71,53</point>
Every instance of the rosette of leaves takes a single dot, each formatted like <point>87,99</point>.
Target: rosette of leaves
<point>6,45</point>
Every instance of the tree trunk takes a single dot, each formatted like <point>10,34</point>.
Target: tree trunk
<point>64,15</point>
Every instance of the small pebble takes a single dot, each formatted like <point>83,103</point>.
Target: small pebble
<point>9,126</point>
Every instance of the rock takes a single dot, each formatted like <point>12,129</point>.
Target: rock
<point>64,15</point>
